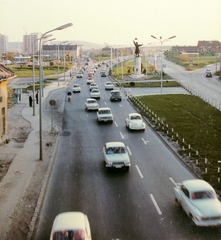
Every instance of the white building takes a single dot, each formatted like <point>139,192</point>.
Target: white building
<point>61,51</point>
<point>3,44</point>
<point>30,43</point>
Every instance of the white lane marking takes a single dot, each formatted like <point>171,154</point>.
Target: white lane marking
<point>155,204</point>
<point>116,124</point>
<point>105,103</point>
<point>171,179</point>
<point>141,175</point>
<point>128,149</point>
<point>121,105</point>
<point>145,142</point>
<point>122,135</point>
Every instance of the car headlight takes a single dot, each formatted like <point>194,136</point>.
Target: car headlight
<point>127,163</point>
<point>109,163</point>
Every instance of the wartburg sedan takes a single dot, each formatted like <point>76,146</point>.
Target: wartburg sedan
<point>116,156</point>
<point>134,121</point>
<point>109,86</point>
<point>104,115</point>
<point>71,225</point>
<point>198,199</point>
<point>91,104</point>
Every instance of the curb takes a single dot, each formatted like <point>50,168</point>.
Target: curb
<point>43,190</point>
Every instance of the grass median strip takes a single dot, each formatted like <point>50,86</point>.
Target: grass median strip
<point>193,123</point>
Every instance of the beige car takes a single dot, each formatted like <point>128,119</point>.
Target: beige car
<point>71,225</point>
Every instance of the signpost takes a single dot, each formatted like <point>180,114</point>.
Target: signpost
<point>52,102</point>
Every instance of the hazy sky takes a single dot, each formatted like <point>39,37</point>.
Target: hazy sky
<point>116,22</point>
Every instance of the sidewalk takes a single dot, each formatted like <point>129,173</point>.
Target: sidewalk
<point>16,180</point>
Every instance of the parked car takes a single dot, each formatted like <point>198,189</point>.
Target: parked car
<point>76,88</point>
<point>134,121</point>
<point>115,95</point>
<point>116,155</point>
<point>109,86</point>
<point>71,225</point>
<point>91,104</point>
<point>95,93</point>
<point>198,199</point>
<point>104,115</point>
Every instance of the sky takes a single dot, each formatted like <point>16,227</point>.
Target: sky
<point>116,22</point>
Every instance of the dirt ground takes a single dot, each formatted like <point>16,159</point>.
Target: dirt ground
<point>22,216</point>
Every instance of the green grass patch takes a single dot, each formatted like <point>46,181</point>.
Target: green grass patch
<point>192,123</point>
<point>147,84</point>
<point>28,72</point>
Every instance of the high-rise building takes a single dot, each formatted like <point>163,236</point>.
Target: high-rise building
<point>3,44</point>
<point>30,43</point>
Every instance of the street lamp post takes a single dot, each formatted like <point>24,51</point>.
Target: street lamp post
<point>111,55</point>
<point>162,41</point>
<point>52,39</point>
<point>40,84</point>
<point>58,60</point>
<point>33,71</point>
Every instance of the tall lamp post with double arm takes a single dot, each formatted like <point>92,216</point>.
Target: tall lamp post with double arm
<point>161,42</point>
<point>40,84</point>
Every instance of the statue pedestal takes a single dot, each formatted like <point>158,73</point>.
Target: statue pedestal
<point>137,68</point>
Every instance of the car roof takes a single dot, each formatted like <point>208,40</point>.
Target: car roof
<point>134,114</point>
<point>197,185</point>
<point>114,144</point>
<point>105,108</point>
<point>69,220</point>
<point>91,99</point>
<point>115,90</point>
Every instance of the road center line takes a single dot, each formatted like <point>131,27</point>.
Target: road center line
<point>116,124</point>
<point>155,204</point>
<point>141,175</point>
<point>122,135</point>
<point>128,149</point>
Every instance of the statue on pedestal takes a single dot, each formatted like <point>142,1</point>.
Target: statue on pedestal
<point>137,50</point>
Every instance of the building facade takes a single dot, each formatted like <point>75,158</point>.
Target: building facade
<point>60,51</point>
<point>30,43</point>
<point>3,45</point>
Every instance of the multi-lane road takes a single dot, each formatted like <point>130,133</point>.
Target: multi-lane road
<point>138,204</point>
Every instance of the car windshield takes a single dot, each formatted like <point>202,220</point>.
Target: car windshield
<point>115,94</point>
<point>104,111</point>
<point>203,195</point>
<point>69,234</point>
<point>135,117</point>
<point>115,150</point>
<point>91,101</point>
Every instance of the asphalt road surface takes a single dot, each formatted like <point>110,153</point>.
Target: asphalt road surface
<point>138,204</point>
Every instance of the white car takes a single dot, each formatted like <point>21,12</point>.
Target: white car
<point>104,115</point>
<point>90,80</point>
<point>109,86</point>
<point>95,93</point>
<point>116,155</point>
<point>76,88</point>
<point>198,199</point>
<point>80,75</point>
<point>93,86</point>
<point>71,225</point>
<point>91,104</point>
<point>134,121</point>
